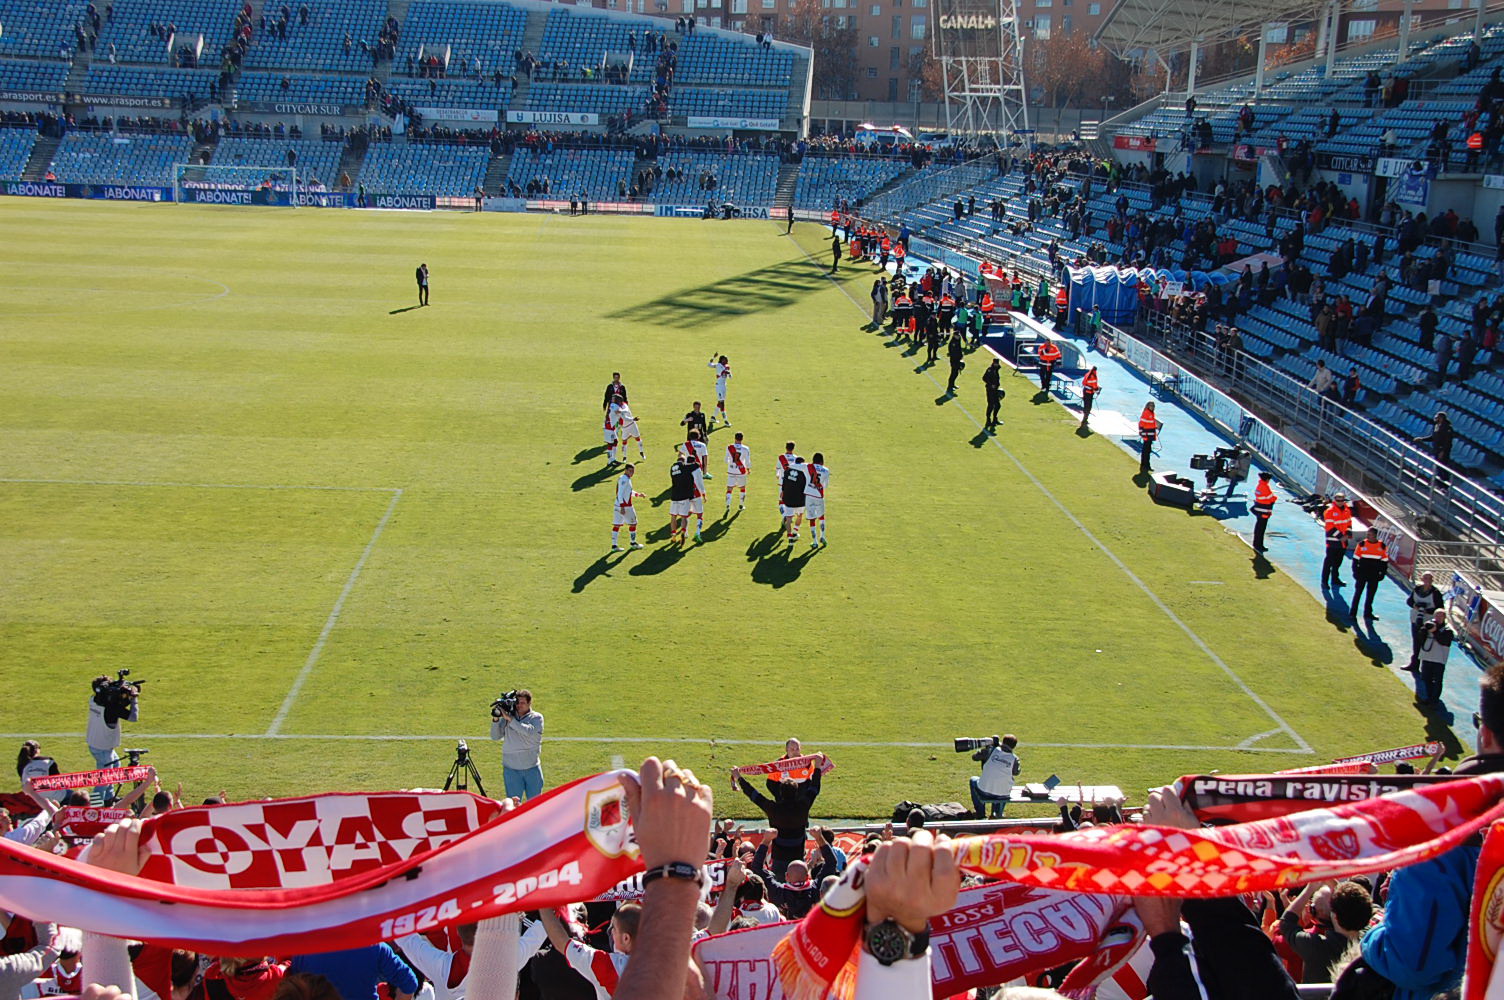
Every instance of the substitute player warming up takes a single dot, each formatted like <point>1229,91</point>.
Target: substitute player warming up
<point>738,463</point>
<point>624,512</point>
<point>793,482</point>
<point>722,376</point>
<point>816,485</point>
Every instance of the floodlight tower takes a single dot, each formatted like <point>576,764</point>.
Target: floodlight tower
<point>980,51</point>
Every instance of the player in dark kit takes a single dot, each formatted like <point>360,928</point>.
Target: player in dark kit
<point>794,479</point>
<point>695,420</point>
<point>614,388</point>
<point>681,493</point>
<point>422,276</point>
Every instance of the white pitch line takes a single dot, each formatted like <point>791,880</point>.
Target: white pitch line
<point>708,740</point>
<point>1196,639</point>
<point>200,486</point>
<point>329,623</point>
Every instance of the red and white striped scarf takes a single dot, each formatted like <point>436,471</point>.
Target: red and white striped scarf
<point>344,870</point>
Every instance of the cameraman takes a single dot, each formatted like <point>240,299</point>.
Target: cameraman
<point>1000,766</point>
<point>113,701</point>
<point>521,731</point>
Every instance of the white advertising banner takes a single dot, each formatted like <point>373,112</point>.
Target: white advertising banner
<point>552,118</point>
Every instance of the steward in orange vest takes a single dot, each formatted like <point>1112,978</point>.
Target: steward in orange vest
<point>1049,357</point>
<point>1149,427</point>
<point>1089,389</point>
<point>1263,509</point>
<point>1370,565</point>
<point>1339,529</point>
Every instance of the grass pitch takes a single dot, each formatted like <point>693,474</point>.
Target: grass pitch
<point>236,463</point>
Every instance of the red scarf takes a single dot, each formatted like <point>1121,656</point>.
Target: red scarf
<point>788,768</point>
<point>1485,925</point>
<point>91,779</point>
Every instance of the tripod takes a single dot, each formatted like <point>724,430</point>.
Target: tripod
<point>463,771</point>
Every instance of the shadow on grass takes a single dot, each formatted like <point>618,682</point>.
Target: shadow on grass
<point>590,479</point>
<point>601,567</point>
<point>1439,729</point>
<point>762,547</point>
<point>979,440</point>
<point>589,453</point>
<point>660,559</point>
<point>718,528</point>
<point>404,309</point>
<point>945,397</point>
<point>1083,431</point>
<point>1371,644</point>
<point>782,565</point>
<point>1263,569</point>
<point>1039,398</point>
<point>773,287</point>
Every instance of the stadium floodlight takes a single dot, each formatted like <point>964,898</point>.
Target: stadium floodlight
<point>980,52</point>
<point>236,184</point>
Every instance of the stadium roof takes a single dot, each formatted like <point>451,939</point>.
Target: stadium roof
<point>1172,25</point>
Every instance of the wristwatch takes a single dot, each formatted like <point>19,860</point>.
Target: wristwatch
<point>681,870</point>
<point>888,942</point>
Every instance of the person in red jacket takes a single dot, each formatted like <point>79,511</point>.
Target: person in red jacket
<point>249,978</point>
<point>1049,358</point>
<point>1090,386</point>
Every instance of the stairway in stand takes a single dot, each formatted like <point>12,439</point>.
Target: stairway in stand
<point>496,174</point>
<point>788,177</point>
<point>41,158</point>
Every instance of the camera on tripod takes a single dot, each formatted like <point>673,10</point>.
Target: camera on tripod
<point>463,771</point>
<point>505,703</point>
<point>1231,464</point>
<point>969,744</point>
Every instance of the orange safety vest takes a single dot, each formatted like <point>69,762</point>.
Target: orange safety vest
<point>1368,553</point>
<point>1089,385</point>
<point>887,244</point>
<point>835,217</point>
<point>1263,499</point>
<point>986,302</point>
<point>1049,354</point>
<point>1148,425</point>
<point>1062,297</point>
<point>899,251</point>
<point>1339,520</point>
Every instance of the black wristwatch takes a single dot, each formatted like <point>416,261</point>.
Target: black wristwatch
<point>681,870</point>
<point>890,943</point>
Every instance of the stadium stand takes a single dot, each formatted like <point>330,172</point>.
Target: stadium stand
<point>135,81</point>
<point>581,39</point>
<point>823,179</point>
<point>591,98</point>
<point>728,103</point>
<point>744,179</point>
<point>129,27</point>
<point>345,90</point>
<point>32,77</point>
<point>91,158</point>
<point>339,36</point>
<point>424,168</point>
<point>314,159</point>
<point>15,150</point>
<point>489,32</point>
<point>38,27</point>
<point>602,174</point>
<point>451,92</point>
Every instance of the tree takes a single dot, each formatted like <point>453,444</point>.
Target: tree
<point>836,66</point>
<point>1071,72</point>
<point>925,68</point>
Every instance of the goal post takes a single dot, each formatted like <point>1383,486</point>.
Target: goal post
<point>236,183</point>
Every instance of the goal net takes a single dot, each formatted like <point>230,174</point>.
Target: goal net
<point>240,184</point>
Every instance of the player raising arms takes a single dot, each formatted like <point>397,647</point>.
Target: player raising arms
<point>818,483</point>
<point>722,376</point>
<point>625,425</point>
<point>738,462</point>
<point>624,512</point>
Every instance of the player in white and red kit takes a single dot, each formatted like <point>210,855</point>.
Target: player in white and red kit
<point>738,462</point>
<point>621,419</point>
<point>624,512</point>
<point>610,433</point>
<point>695,450</point>
<point>815,488</point>
<point>779,467</point>
<point>722,376</point>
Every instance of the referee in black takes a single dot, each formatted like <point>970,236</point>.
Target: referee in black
<point>957,354</point>
<point>992,378</point>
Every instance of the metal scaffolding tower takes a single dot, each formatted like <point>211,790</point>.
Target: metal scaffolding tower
<point>980,51</point>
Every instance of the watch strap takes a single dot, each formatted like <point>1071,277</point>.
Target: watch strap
<point>681,870</point>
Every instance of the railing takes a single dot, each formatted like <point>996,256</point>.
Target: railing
<point>931,185</point>
<point>1433,499</point>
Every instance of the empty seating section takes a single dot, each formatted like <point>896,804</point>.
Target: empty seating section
<point>420,168</point>
<point>728,103</point>
<point>490,32</point>
<point>136,81</point>
<point>32,77</point>
<point>319,44</point>
<point>710,58</point>
<point>581,40</point>
<point>100,158</point>
<point>823,179</point>
<point>743,178</point>
<point>15,150</point>
<point>128,28</point>
<point>315,159</point>
<point>1411,123</point>
<point>451,93</point>
<point>39,27</point>
<point>321,89</point>
<point>599,173</point>
<point>592,98</point>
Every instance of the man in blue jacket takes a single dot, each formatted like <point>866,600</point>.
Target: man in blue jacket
<point>1421,946</point>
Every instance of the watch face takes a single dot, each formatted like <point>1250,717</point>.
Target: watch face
<point>887,942</point>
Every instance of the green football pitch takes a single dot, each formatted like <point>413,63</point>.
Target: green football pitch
<point>328,529</point>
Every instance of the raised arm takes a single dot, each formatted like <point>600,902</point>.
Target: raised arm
<point>554,928</point>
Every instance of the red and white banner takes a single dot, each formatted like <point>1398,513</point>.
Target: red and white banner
<point>1419,751</point>
<point>1242,798</point>
<point>630,889</point>
<point>794,769</point>
<point>260,878</point>
<point>996,933</point>
<point>1354,767</point>
<point>1485,925</point>
<point>90,779</point>
<point>86,821</point>
<point>1137,143</point>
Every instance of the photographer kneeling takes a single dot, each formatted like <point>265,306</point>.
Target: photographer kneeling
<point>1000,766</point>
<point>521,730</point>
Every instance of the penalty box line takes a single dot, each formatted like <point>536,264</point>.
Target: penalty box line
<point>711,741</point>
<point>1285,727</point>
